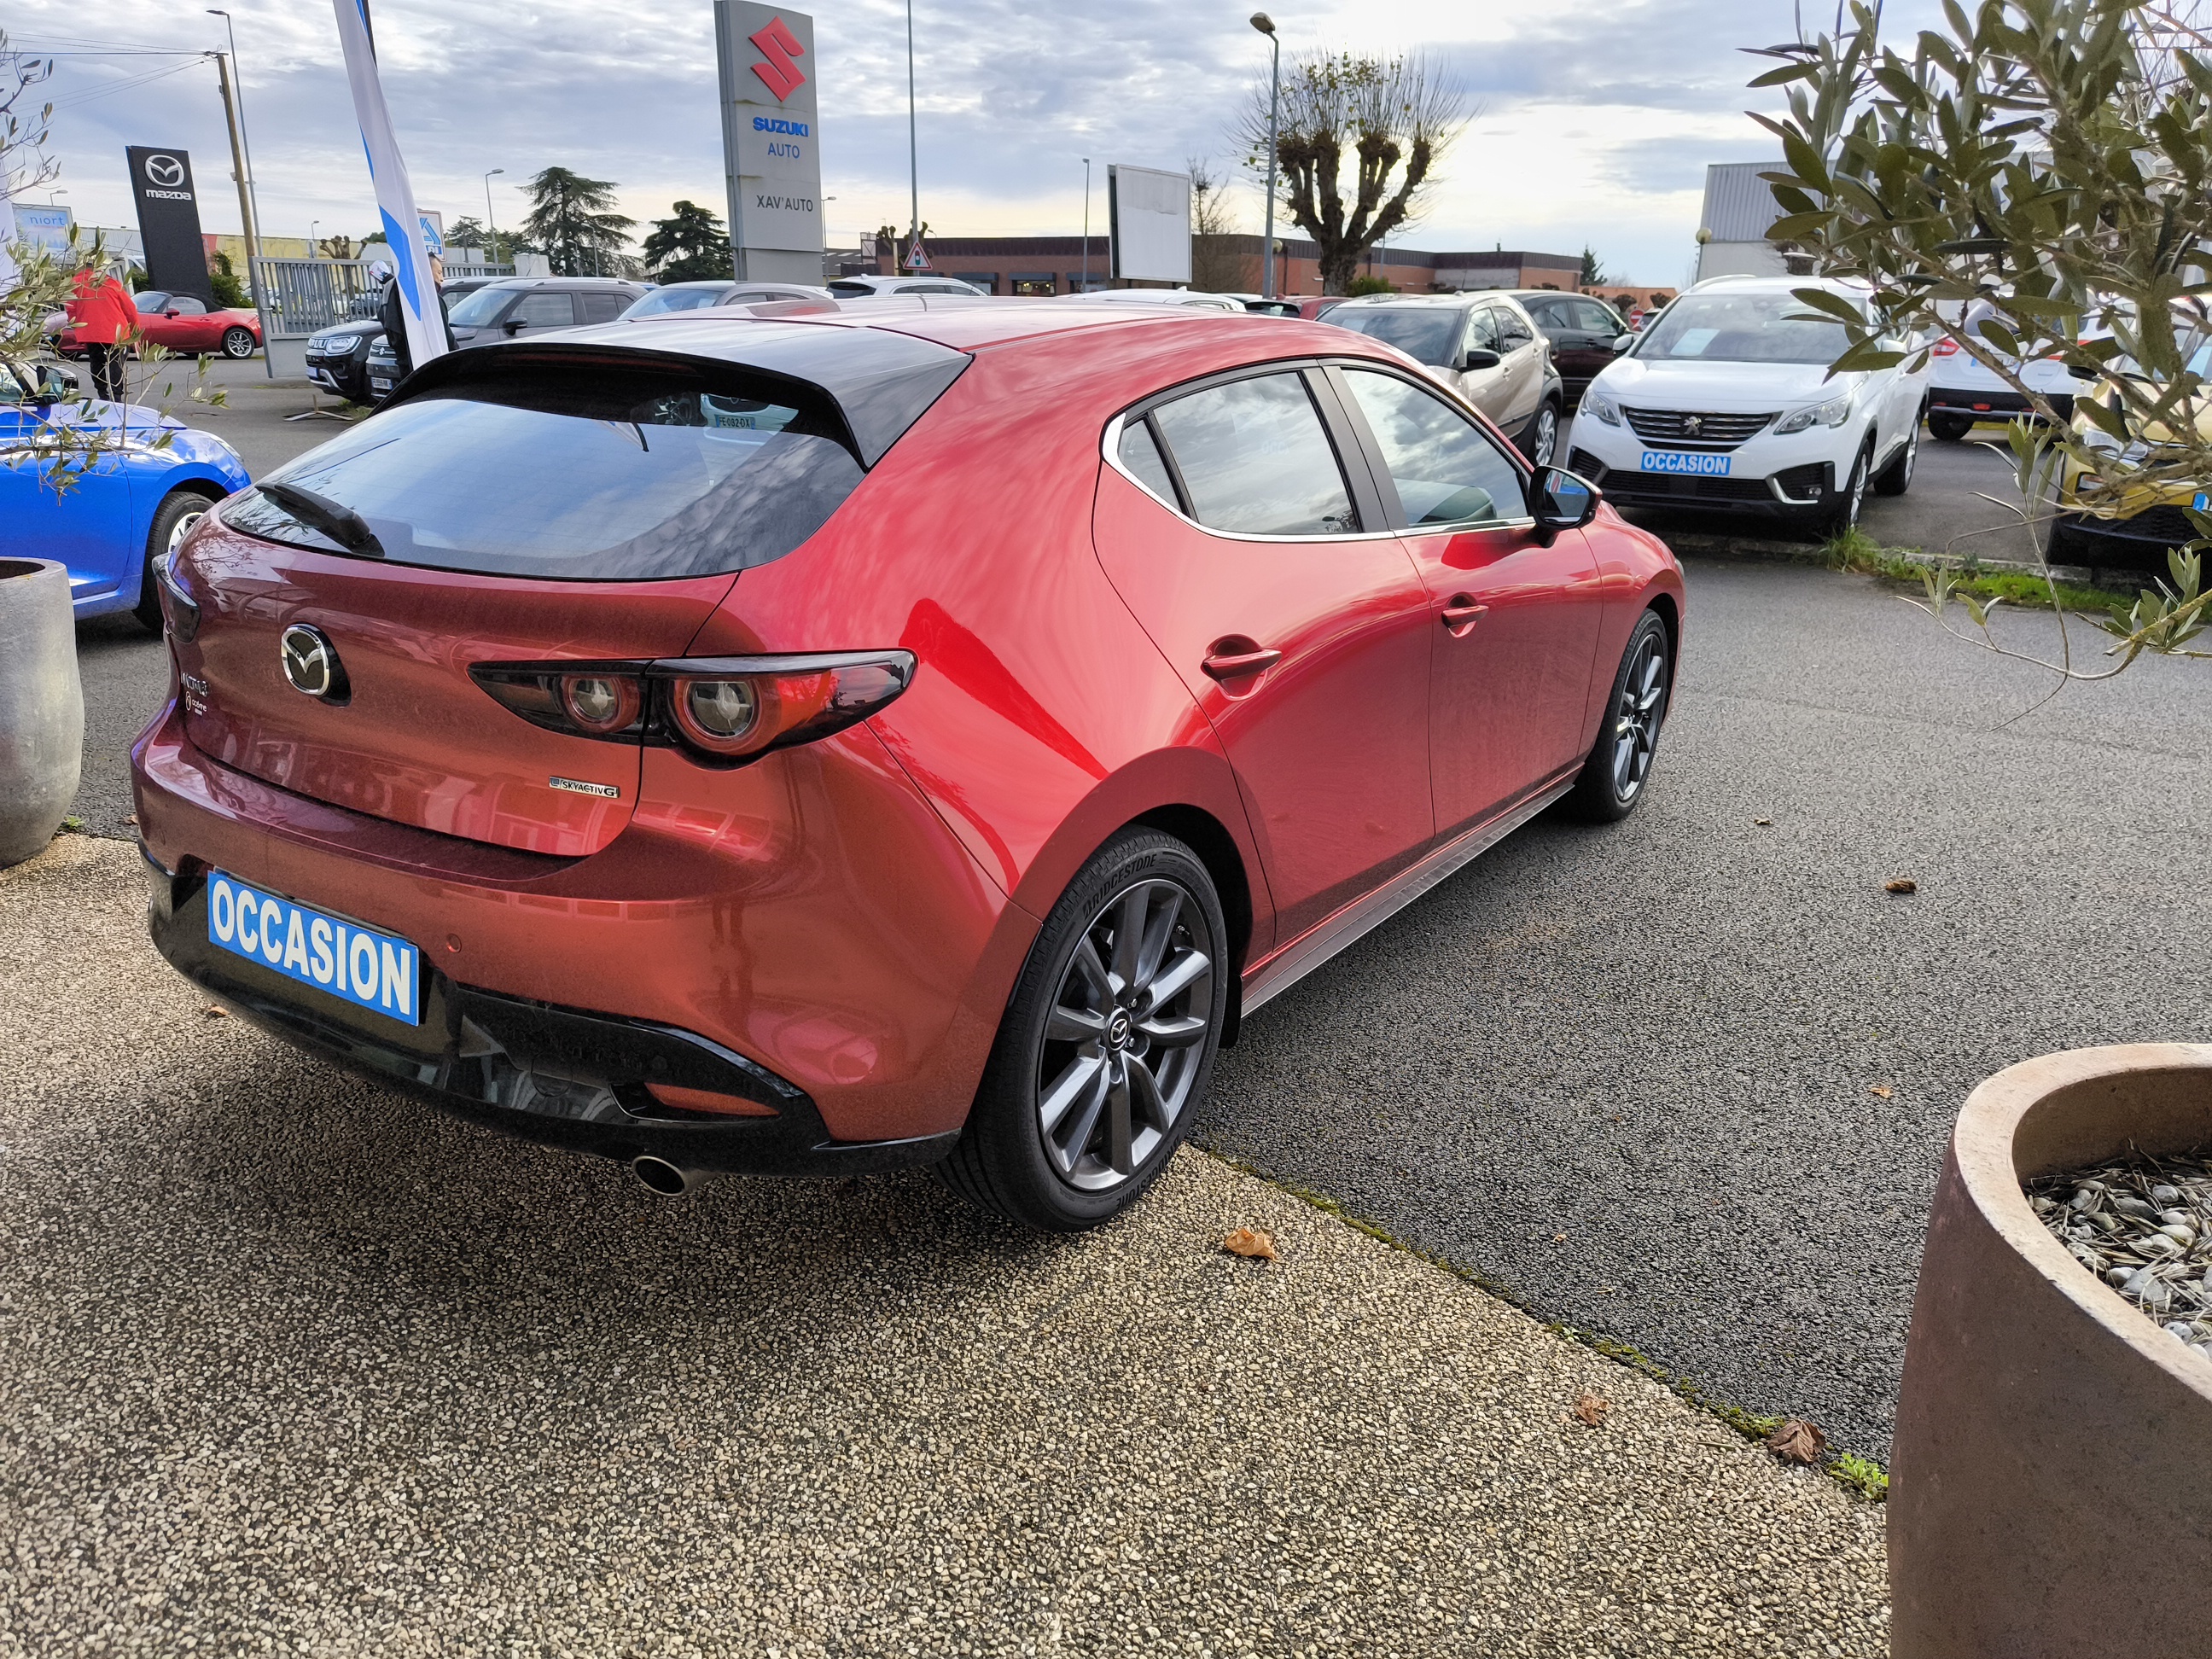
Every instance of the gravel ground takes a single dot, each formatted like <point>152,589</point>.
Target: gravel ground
<point>1630,1073</point>
<point>289,1365</point>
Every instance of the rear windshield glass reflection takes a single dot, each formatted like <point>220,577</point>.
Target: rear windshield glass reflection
<point>587,474</point>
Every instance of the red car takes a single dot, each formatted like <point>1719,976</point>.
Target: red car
<point>181,323</point>
<point>910,731</point>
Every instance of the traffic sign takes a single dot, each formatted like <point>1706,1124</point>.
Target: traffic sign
<point>917,258</point>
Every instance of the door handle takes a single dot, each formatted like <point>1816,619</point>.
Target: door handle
<point>1461,613</point>
<point>1237,664</point>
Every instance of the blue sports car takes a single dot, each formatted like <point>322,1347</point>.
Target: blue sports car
<point>131,508</point>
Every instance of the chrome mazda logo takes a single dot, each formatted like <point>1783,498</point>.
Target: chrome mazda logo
<point>311,662</point>
<point>166,170</point>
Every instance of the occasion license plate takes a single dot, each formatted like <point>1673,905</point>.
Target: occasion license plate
<point>2203,501</point>
<point>369,970</point>
<point>1680,461</point>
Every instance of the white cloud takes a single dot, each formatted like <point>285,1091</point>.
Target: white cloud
<point>1597,122</point>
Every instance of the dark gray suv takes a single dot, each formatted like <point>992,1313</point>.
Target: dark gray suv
<point>513,305</point>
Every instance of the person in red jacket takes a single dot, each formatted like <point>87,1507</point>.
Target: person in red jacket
<point>104,318</point>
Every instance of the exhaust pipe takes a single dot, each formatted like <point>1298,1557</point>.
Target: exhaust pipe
<point>670,1179</point>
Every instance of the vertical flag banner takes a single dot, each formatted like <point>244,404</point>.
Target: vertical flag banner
<point>7,237</point>
<point>395,197</point>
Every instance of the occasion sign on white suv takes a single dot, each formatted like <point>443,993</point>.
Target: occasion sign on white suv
<point>1726,401</point>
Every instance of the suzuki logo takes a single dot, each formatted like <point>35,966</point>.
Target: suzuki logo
<point>311,663</point>
<point>166,170</point>
<point>781,73</point>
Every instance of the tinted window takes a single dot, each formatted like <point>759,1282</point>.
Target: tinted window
<point>1742,328</point>
<point>1424,333</point>
<point>544,311</point>
<point>1255,458</point>
<point>850,288</point>
<point>1482,331</point>
<point>477,309</point>
<point>602,307</point>
<point>1513,331</point>
<point>1596,319</point>
<point>1142,457</point>
<point>1447,472</point>
<point>1550,314</point>
<point>600,475</point>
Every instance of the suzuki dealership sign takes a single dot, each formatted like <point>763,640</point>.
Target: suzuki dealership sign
<point>770,140</point>
<point>169,221</point>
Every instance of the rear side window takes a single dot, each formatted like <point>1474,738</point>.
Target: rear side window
<point>1424,333</point>
<point>1141,455</point>
<point>1446,471</point>
<point>603,307</point>
<point>1255,459</point>
<point>586,473</point>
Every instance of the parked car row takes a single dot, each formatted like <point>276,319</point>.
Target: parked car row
<point>179,323</point>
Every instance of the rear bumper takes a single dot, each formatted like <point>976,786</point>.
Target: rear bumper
<point>1992,405</point>
<point>566,1077</point>
<point>806,926</point>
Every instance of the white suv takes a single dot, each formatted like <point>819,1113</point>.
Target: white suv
<point>1726,401</point>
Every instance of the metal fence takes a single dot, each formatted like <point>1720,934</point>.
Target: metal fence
<point>297,297</point>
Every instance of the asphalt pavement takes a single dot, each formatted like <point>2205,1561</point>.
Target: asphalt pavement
<point>291,1365</point>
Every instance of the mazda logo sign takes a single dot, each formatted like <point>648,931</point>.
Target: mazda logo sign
<point>166,171</point>
<point>311,663</point>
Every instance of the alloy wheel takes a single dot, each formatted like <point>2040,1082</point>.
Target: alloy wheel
<point>1125,1041</point>
<point>1545,437</point>
<point>238,343</point>
<point>1636,715</point>
<point>179,531</point>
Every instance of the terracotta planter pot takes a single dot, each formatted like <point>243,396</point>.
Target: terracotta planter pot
<point>2050,1486</point>
<point>41,705</point>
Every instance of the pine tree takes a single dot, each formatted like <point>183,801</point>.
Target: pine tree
<point>572,219</point>
<point>690,245</point>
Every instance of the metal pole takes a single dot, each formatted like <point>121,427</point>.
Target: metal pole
<point>1274,98</point>
<point>238,164</point>
<point>245,145</point>
<point>913,143</point>
<point>491,219</point>
<point>1087,225</point>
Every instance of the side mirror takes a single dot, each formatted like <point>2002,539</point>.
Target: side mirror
<point>1477,357</point>
<point>173,311</point>
<point>2081,371</point>
<point>1621,342</point>
<point>513,326</point>
<point>1560,501</point>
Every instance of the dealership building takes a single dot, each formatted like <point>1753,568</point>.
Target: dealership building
<point>1057,264</point>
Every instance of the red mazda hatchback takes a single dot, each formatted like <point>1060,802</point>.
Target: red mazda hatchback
<point>908,732</point>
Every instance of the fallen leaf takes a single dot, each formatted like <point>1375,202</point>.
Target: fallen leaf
<point>1250,1243</point>
<point>1763,822</point>
<point>216,1011</point>
<point>1590,1408</point>
<point>132,818</point>
<point>1900,885</point>
<point>1881,1088</point>
<point>1559,1238</point>
<point>1796,1441</point>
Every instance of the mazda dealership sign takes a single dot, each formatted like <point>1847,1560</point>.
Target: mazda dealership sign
<point>169,220</point>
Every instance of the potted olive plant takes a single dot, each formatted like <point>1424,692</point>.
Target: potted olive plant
<point>41,705</point>
<point>2031,182</point>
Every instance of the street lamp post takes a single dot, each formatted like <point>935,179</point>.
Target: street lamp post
<point>245,148</point>
<point>313,225</point>
<point>491,219</point>
<point>1086,224</point>
<point>1266,25</point>
<point>913,143</point>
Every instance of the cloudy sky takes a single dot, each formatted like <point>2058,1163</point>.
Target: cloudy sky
<point>1594,125</point>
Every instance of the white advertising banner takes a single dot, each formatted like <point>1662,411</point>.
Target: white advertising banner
<point>770,139</point>
<point>404,227</point>
<point>6,238</point>
<point>1149,213</point>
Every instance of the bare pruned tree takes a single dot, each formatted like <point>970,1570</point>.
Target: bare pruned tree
<point>1373,127</point>
<point>1215,266</point>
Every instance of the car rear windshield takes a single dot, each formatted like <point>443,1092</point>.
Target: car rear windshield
<point>1742,328</point>
<point>587,472</point>
<point>1424,333</point>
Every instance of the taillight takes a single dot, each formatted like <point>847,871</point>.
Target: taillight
<point>1946,347</point>
<point>724,709</point>
<point>732,709</point>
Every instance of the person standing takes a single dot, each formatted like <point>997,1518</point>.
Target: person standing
<point>394,316</point>
<point>106,320</point>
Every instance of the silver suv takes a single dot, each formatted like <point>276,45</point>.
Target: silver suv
<point>1484,346</point>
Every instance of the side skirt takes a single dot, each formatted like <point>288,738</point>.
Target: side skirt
<point>1363,915</point>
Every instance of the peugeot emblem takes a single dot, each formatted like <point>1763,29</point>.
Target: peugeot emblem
<point>166,171</point>
<point>311,663</point>
<point>1693,424</point>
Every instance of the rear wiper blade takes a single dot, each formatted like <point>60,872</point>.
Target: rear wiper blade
<point>339,522</point>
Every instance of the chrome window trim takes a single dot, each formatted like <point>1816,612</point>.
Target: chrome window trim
<point>1109,450</point>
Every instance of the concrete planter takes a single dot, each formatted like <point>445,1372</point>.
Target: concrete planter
<point>41,705</point>
<point>2050,1486</point>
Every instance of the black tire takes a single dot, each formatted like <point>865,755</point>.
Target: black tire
<point>1951,428</point>
<point>1897,478</point>
<point>1617,774</point>
<point>1540,442</point>
<point>238,342</point>
<point>1001,1162</point>
<point>172,520</point>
